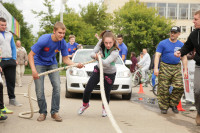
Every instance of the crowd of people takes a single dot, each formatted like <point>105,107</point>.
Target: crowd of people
<point>166,65</point>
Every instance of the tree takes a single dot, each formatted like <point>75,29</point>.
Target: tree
<point>47,19</point>
<point>142,27</point>
<point>95,14</point>
<point>75,25</point>
<point>27,37</point>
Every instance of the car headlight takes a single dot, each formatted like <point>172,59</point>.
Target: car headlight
<point>124,74</point>
<point>76,72</point>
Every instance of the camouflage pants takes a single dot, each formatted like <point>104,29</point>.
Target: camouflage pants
<point>169,75</point>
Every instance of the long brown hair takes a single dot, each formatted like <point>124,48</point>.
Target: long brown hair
<point>108,33</point>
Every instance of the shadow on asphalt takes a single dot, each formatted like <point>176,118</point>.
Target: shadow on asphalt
<point>152,105</point>
<point>98,96</point>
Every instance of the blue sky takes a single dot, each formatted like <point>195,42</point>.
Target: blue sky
<point>27,5</point>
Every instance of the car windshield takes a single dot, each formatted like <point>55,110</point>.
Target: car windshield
<point>84,56</point>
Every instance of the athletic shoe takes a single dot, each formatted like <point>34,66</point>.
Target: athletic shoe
<point>14,102</point>
<point>6,111</point>
<point>174,109</point>
<point>82,109</point>
<point>3,117</point>
<point>163,111</point>
<point>104,114</point>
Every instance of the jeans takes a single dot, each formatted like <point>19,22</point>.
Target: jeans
<point>39,88</point>
<point>153,77</point>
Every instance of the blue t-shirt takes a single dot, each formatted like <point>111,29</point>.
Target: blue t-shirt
<point>46,49</point>
<point>123,50</point>
<point>167,49</point>
<point>72,48</point>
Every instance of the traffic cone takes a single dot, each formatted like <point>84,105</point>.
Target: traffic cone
<point>179,107</point>
<point>141,89</point>
<point>140,99</point>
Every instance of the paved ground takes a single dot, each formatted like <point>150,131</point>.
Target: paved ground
<point>134,116</point>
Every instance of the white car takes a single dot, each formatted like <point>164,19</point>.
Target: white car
<point>78,78</point>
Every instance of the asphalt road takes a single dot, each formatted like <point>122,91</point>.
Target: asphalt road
<point>134,116</point>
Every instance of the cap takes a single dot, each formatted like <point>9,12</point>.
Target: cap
<point>175,29</point>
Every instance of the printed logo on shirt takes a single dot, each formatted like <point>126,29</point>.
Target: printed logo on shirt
<point>69,49</point>
<point>46,49</point>
<point>56,51</point>
<point>74,49</point>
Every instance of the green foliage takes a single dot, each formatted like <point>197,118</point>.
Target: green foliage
<point>141,26</point>
<point>47,19</point>
<point>74,23</point>
<point>95,14</point>
<point>76,26</point>
<point>26,36</point>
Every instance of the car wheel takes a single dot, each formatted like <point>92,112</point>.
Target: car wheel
<point>67,93</point>
<point>127,96</point>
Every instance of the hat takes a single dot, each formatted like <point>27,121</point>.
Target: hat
<point>175,29</point>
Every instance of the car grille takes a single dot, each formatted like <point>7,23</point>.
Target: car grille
<point>89,73</point>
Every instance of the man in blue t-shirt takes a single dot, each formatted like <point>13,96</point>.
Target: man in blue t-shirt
<point>72,46</point>
<point>170,72</point>
<point>123,50</point>
<point>41,59</point>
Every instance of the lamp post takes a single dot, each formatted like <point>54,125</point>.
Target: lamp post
<point>61,20</point>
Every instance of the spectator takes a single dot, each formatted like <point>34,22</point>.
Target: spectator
<point>192,43</point>
<point>72,46</point>
<point>134,62</point>
<point>122,47</point>
<point>22,61</point>
<point>145,63</point>
<point>8,63</point>
<point>169,73</point>
<point>41,59</point>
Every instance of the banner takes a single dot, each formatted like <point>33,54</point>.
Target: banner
<point>189,81</point>
<point>12,24</point>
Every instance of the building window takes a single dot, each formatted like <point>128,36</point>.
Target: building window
<point>183,11</point>
<point>183,29</point>
<point>172,11</point>
<point>161,9</point>
<point>151,5</point>
<point>193,9</point>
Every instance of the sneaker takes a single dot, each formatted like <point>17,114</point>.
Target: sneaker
<point>104,114</point>
<point>6,111</point>
<point>3,117</point>
<point>14,102</point>
<point>163,111</point>
<point>82,109</point>
<point>174,109</point>
<point>56,117</point>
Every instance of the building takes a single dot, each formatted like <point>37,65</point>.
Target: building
<point>180,11</point>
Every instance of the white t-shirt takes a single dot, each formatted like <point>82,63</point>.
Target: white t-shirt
<point>146,60</point>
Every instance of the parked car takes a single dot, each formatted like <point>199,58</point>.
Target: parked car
<point>76,79</point>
